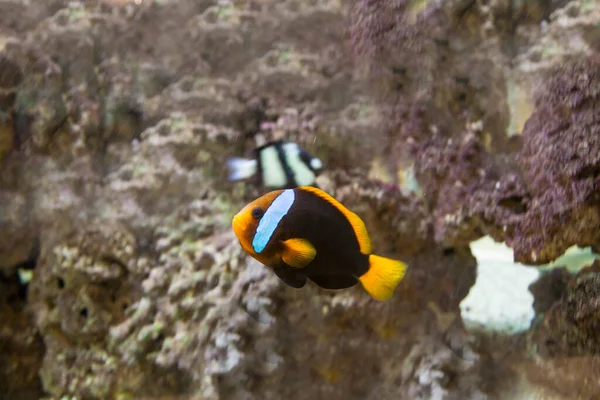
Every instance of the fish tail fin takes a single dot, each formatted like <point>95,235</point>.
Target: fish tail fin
<point>240,168</point>
<point>383,276</point>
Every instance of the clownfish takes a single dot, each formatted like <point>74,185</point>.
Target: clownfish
<point>305,233</point>
<point>277,164</point>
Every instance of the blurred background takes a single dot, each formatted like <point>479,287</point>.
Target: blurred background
<point>466,134</point>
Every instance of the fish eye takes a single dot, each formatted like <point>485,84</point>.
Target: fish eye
<point>257,212</point>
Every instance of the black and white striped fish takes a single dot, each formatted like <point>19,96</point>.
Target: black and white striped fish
<point>277,164</point>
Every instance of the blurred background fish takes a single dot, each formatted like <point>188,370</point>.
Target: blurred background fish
<point>277,164</point>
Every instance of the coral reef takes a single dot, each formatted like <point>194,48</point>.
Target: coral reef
<point>570,325</point>
<point>21,346</point>
<point>478,177</point>
<point>500,300</point>
<point>560,161</point>
<point>115,118</point>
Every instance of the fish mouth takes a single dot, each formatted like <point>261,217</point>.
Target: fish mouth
<point>240,229</point>
<point>237,225</point>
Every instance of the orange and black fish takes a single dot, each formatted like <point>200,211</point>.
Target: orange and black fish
<point>305,233</point>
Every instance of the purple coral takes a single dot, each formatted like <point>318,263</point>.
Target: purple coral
<point>560,162</point>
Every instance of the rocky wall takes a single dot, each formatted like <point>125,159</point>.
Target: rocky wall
<point>115,120</point>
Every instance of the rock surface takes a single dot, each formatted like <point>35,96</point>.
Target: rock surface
<point>116,117</point>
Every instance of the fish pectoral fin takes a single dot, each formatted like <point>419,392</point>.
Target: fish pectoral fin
<point>334,281</point>
<point>298,253</point>
<point>383,276</point>
<point>290,277</point>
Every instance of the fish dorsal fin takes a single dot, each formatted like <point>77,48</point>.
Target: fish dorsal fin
<point>272,143</point>
<point>298,253</point>
<point>360,230</point>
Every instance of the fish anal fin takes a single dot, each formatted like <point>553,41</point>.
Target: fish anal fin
<point>334,281</point>
<point>383,276</point>
<point>290,277</point>
<point>360,230</point>
<point>298,253</point>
